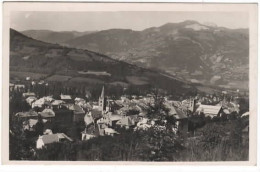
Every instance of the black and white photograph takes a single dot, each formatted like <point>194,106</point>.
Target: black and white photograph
<point>131,85</point>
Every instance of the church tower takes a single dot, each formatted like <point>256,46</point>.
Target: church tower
<point>102,100</point>
<point>192,104</point>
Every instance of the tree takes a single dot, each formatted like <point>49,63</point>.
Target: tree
<point>157,144</point>
<point>39,126</point>
<point>156,108</point>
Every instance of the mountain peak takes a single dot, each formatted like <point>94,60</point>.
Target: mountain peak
<point>184,23</point>
<point>187,22</point>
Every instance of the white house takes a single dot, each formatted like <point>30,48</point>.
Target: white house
<point>65,97</point>
<point>30,100</point>
<point>40,102</point>
<point>51,138</point>
<point>210,110</point>
<point>29,94</point>
<point>110,132</point>
<point>57,102</point>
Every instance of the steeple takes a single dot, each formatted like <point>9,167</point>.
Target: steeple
<point>102,100</point>
<point>102,93</point>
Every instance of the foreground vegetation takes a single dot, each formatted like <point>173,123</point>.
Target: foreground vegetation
<point>212,144</point>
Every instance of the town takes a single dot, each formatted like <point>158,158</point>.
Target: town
<point>46,120</point>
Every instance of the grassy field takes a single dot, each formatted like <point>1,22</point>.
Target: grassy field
<point>23,75</point>
<point>135,80</point>
<point>98,73</point>
<point>123,84</point>
<point>59,78</point>
<point>85,80</point>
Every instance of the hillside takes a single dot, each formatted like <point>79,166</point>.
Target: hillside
<point>54,37</point>
<point>188,50</point>
<point>52,62</point>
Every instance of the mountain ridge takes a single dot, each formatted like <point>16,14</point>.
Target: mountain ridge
<point>71,65</point>
<point>188,50</point>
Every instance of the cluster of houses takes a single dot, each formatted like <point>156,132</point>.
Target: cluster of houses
<point>106,116</point>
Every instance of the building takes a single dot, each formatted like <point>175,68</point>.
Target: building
<point>102,101</point>
<point>38,103</point>
<point>110,132</point>
<point>210,110</point>
<point>30,114</point>
<point>11,86</point>
<point>96,114</point>
<point>51,138</point>
<point>78,113</point>
<point>30,124</point>
<point>88,119</point>
<point>57,103</point>
<point>29,94</point>
<point>86,135</point>
<point>66,98</point>
<point>47,114</point>
<point>180,116</point>
<point>19,87</point>
<point>42,101</point>
<point>102,124</point>
<point>30,100</point>
<point>125,122</point>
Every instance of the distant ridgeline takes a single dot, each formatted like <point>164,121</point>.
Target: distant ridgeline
<point>189,50</point>
<point>77,68</point>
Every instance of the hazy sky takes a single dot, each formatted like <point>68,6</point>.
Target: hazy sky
<point>90,21</point>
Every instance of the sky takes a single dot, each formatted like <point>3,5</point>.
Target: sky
<point>95,21</point>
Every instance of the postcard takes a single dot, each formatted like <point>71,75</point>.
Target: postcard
<point>129,83</point>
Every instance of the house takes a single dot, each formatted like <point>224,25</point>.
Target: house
<point>47,114</point>
<point>19,87</point>
<point>51,138</point>
<point>210,110</point>
<point>113,118</point>
<point>86,136</point>
<point>47,131</point>
<point>57,103</point>
<point>66,98</point>
<point>29,94</point>
<point>11,86</point>
<point>29,124</point>
<point>245,114</point>
<point>102,123</point>
<point>77,100</point>
<point>42,101</point>
<point>110,132</point>
<point>180,117</point>
<point>78,113</point>
<point>30,100</point>
<point>88,119</point>
<point>125,122</point>
<point>96,114</point>
<point>29,114</point>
